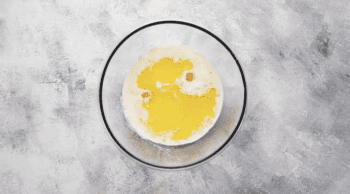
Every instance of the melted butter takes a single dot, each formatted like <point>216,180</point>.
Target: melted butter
<point>169,109</point>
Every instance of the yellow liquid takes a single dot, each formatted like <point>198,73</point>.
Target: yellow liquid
<point>170,110</point>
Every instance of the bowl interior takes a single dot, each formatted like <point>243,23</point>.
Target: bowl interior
<point>164,34</point>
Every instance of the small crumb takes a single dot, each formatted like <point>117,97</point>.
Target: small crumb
<point>189,76</point>
<point>145,95</point>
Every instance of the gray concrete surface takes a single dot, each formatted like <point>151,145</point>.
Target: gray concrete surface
<point>295,138</point>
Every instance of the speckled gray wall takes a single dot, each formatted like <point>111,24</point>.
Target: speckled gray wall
<point>295,138</point>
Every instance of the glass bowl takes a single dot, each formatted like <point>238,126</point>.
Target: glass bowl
<point>163,34</point>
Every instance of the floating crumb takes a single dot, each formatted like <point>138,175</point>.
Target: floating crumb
<point>145,95</point>
<point>189,77</point>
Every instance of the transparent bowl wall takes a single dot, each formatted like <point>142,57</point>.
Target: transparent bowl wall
<point>131,49</point>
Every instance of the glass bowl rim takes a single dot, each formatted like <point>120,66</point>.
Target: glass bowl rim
<point>212,155</point>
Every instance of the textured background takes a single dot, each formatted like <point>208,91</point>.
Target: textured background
<point>295,138</point>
